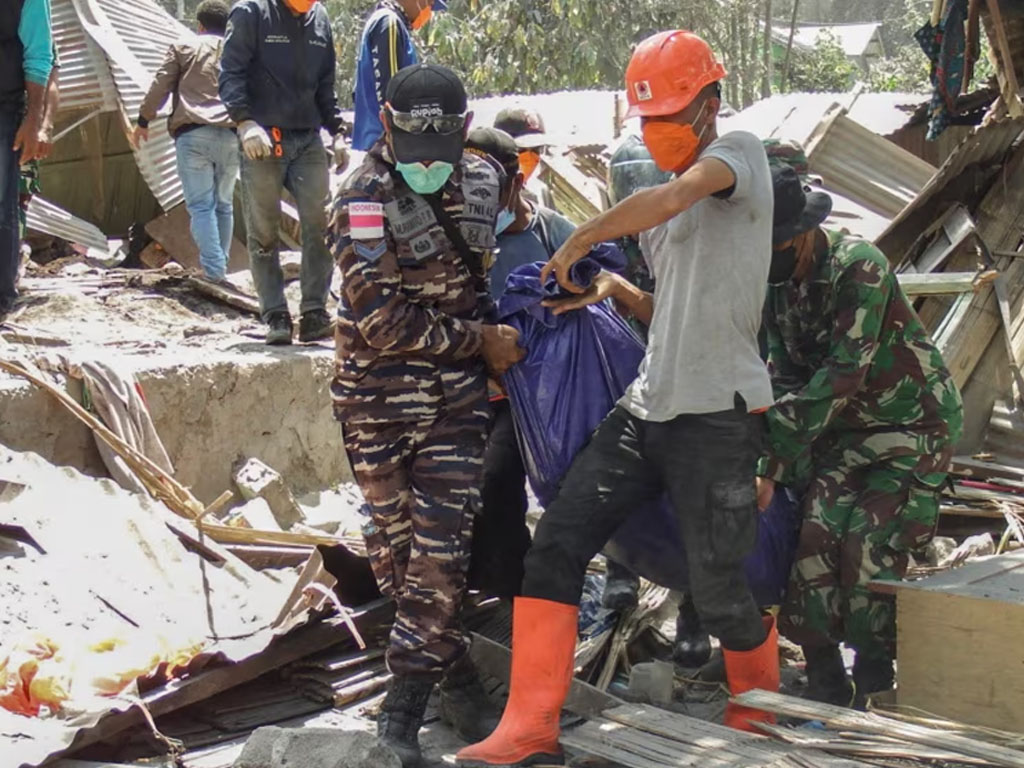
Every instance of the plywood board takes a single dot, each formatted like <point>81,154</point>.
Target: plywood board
<point>172,231</point>
<point>998,578</point>
<point>960,657</point>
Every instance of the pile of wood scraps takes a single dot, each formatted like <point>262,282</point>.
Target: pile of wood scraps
<point>887,738</point>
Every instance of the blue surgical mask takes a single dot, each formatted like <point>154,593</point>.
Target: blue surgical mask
<point>505,220</point>
<point>425,179</point>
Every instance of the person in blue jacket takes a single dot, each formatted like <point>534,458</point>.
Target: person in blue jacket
<point>277,82</point>
<point>386,47</point>
<point>26,59</point>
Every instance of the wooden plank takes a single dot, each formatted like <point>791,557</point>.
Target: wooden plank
<point>959,657</point>
<point>700,733</point>
<point>863,722</point>
<point>971,467</point>
<point>1000,219</point>
<point>943,283</point>
<point>269,556</point>
<point>1005,65</point>
<point>838,743</point>
<point>998,578</point>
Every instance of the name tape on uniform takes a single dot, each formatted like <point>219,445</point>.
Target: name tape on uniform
<point>365,220</point>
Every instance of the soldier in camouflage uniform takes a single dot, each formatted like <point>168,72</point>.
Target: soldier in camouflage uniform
<point>411,233</point>
<point>866,419</point>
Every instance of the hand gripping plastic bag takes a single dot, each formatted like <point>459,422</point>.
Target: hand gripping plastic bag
<point>578,365</point>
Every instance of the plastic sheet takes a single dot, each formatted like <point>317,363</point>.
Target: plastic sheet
<point>578,365</point>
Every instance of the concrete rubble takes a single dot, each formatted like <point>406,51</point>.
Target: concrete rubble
<point>274,747</point>
<point>255,480</point>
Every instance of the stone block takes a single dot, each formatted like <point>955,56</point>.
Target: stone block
<point>255,480</point>
<point>274,747</point>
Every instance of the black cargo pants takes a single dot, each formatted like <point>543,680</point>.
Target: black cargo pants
<point>706,462</point>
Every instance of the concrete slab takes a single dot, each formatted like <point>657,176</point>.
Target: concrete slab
<point>209,410</point>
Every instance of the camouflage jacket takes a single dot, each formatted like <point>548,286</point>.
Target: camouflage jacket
<point>852,362</point>
<point>409,318</point>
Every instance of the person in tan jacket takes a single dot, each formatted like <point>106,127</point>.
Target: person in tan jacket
<point>204,135</point>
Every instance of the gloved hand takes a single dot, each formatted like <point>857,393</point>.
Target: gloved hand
<point>256,142</point>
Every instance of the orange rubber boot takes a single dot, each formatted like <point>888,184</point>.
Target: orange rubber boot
<point>543,647</point>
<point>746,670</point>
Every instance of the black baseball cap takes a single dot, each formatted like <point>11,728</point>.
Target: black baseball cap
<point>496,144</point>
<point>523,125</point>
<point>798,209</point>
<point>427,90</point>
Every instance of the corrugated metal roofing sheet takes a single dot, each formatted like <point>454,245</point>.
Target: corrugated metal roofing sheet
<point>84,79</point>
<point>865,167</point>
<point>43,216</point>
<point>794,116</point>
<point>145,31</point>
<point>134,36</point>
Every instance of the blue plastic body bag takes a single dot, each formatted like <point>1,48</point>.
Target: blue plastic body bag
<point>578,365</point>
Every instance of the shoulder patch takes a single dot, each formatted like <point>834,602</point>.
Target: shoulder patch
<point>366,220</point>
<point>369,254</point>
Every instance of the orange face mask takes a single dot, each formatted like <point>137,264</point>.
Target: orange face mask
<point>423,16</point>
<point>300,6</point>
<point>673,147</point>
<point>528,162</point>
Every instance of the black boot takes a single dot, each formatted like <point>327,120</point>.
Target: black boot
<point>826,676</point>
<point>280,329</point>
<point>465,705</point>
<point>872,674</point>
<point>621,588</point>
<point>314,325</point>
<point>401,715</point>
<point>693,645</point>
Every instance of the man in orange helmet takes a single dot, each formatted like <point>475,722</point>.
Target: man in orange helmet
<point>687,425</point>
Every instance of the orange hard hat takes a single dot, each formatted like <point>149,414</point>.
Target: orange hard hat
<point>667,71</point>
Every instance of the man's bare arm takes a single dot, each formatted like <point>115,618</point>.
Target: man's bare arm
<point>30,138</point>
<point>641,211</point>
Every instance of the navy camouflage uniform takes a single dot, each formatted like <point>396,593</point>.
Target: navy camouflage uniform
<point>410,389</point>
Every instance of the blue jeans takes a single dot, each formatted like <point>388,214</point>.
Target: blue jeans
<point>10,252</point>
<point>208,167</point>
<point>302,170</point>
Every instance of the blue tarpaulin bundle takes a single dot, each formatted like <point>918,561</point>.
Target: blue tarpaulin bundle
<point>578,365</point>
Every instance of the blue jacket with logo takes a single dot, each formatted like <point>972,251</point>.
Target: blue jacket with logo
<point>278,68</point>
<point>385,48</point>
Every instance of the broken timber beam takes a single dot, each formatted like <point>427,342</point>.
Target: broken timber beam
<point>226,295</point>
<point>943,283</point>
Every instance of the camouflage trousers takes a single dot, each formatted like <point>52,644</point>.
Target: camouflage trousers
<point>864,513</point>
<point>421,481</point>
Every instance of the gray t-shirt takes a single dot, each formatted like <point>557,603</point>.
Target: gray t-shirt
<point>710,264</point>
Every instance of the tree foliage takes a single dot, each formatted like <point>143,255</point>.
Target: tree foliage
<point>825,69</point>
<point>531,46</point>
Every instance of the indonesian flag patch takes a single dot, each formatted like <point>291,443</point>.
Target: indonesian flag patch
<point>366,221</point>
